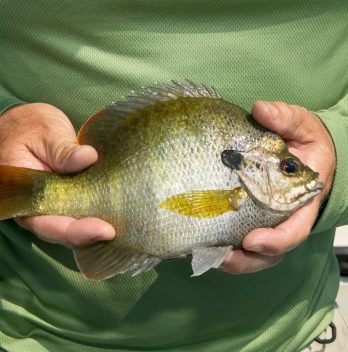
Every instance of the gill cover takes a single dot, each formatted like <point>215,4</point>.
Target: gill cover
<point>272,176</point>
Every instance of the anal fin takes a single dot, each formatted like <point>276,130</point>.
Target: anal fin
<point>205,258</point>
<point>103,260</point>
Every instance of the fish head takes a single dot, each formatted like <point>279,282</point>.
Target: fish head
<point>273,177</point>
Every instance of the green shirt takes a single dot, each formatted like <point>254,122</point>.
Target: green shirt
<point>82,55</point>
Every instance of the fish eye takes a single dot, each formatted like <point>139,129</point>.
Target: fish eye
<point>289,166</point>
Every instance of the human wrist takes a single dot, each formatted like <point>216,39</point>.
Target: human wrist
<point>7,102</point>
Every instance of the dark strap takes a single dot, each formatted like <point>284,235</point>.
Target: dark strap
<point>331,339</point>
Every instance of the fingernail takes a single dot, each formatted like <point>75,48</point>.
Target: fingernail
<point>80,158</point>
<point>105,233</point>
<point>109,232</point>
<point>99,238</point>
<point>272,110</point>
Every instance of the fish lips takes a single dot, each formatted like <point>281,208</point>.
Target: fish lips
<point>315,185</point>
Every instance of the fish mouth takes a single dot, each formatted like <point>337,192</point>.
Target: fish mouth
<point>312,189</point>
<point>314,186</point>
<point>309,191</point>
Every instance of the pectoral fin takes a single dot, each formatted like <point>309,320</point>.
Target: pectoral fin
<point>205,204</point>
<point>206,258</point>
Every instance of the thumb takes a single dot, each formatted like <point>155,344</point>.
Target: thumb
<point>58,147</point>
<point>41,136</point>
<point>291,122</point>
<point>68,156</point>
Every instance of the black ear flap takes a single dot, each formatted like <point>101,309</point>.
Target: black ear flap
<point>232,159</point>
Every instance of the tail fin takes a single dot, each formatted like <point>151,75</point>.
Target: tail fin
<point>18,190</point>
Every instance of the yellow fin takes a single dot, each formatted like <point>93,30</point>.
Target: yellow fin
<point>18,188</point>
<point>205,204</point>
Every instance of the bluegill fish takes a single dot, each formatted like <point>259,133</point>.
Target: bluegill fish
<point>181,171</point>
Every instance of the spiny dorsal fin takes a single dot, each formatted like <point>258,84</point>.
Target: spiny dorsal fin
<point>164,92</point>
<point>106,121</point>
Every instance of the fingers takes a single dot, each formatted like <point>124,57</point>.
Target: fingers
<point>284,237</point>
<point>290,121</point>
<point>264,248</point>
<point>68,231</point>
<point>242,262</point>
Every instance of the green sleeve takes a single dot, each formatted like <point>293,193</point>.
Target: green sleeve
<point>336,209</point>
<point>7,100</point>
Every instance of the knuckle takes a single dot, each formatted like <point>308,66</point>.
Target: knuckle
<point>61,152</point>
<point>294,116</point>
<point>289,115</point>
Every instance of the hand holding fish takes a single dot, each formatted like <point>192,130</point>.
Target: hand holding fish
<point>40,136</point>
<point>308,139</point>
<point>180,172</point>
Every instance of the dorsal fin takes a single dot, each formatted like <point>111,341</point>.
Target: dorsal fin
<point>108,120</point>
<point>164,91</point>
